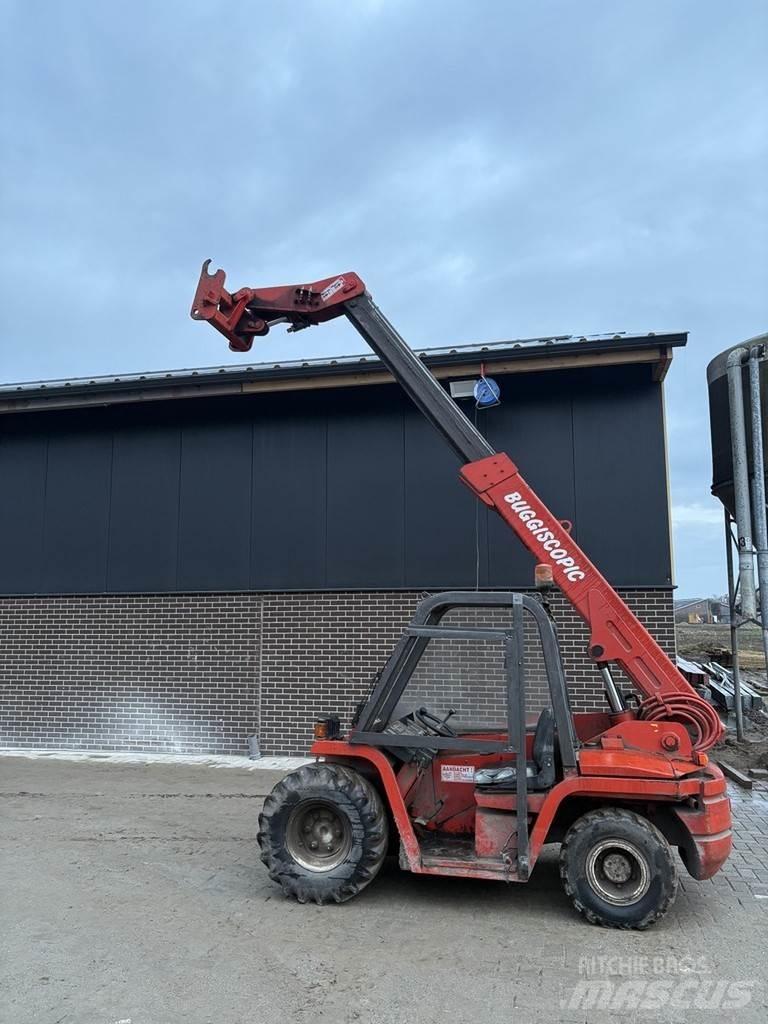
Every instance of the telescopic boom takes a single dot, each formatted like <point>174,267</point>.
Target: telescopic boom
<point>616,634</point>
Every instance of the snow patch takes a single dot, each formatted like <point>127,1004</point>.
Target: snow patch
<point>131,757</point>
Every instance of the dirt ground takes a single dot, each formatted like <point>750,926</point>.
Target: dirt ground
<point>135,894</point>
<point>712,642</point>
<point>751,752</point>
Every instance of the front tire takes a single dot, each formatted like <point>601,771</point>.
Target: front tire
<point>323,833</point>
<point>618,869</point>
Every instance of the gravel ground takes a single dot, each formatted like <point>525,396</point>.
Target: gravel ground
<point>135,894</point>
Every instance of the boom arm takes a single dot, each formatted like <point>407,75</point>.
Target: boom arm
<point>617,635</point>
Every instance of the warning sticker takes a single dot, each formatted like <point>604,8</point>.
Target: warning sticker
<point>457,773</point>
<point>331,289</point>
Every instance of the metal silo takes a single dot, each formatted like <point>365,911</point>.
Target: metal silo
<point>737,410</point>
<point>719,418</point>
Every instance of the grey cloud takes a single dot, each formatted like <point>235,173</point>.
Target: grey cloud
<point>491,170</point>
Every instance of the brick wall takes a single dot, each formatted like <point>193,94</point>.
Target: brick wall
<point>201,672</point>
<point>338,641</point>
<point>162,673</point>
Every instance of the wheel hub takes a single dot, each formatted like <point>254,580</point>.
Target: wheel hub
<point>618,872</point>
<point>617,868</point>
<point>318,836</point>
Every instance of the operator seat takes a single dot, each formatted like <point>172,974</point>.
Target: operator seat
<point>539,773</point>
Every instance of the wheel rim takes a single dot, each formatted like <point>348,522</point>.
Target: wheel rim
<point>618,872</point>
<point>318,836</point>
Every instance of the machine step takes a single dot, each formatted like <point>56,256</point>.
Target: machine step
<point>441,855</point>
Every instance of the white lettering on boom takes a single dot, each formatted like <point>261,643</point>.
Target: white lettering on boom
<point>553,545</point>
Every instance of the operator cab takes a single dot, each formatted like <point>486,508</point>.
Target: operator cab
<point>471,695</point>
<point>471,761</point>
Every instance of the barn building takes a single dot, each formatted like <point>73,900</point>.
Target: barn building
<point>191,558</point>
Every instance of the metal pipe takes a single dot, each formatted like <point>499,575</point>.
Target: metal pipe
<point>614,698</point>
<point>741,483</point>
<point>758,488</point>
<point>738,710</point>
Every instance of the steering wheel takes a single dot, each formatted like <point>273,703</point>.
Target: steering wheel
<point>433,725</point>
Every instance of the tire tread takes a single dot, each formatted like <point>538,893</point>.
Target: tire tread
<point>607,815</point>
<point>282,868</point>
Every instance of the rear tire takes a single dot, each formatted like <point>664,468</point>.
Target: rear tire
<point>323,833</point>
<point>618,869</point>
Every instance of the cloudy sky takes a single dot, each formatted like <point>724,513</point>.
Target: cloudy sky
<point>491,169</point>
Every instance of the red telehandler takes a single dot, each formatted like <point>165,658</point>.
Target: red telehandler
<point>617,789</point>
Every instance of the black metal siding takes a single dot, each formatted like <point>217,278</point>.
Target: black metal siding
<point>365,492</point>
<point>622,506</point>
<point>23,457</point>
<point>441,515</point>
<point>535,427</point>
<point>288,493</point>
<point>77,499</point>
<point>215,504</point>
<point>144,509</point>
<point>336,489</point>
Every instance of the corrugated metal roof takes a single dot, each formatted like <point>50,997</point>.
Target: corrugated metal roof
<point>544,348</point>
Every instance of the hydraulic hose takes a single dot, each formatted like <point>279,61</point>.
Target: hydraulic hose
<point>695,714</point>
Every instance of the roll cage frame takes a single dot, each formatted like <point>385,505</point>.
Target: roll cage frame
<point>402,663</point>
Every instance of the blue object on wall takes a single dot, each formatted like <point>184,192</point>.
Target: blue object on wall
<point>486,393</point>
